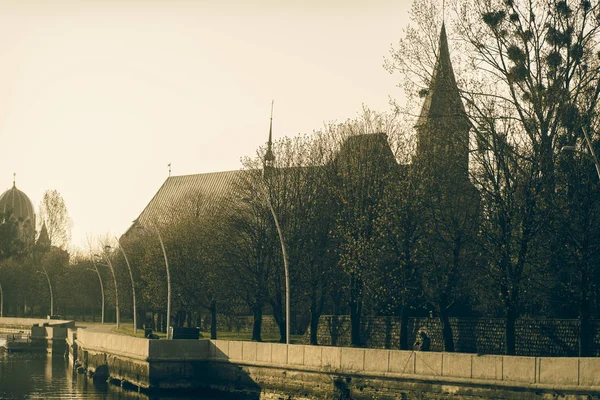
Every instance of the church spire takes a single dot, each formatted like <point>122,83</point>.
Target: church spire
<point>269,156</point>
<point>443,126</point>
<point>443,98</point>
<point>44,239</point>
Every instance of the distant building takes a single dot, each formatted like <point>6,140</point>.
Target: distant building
<point>442,149</point>
<point>19,207</point>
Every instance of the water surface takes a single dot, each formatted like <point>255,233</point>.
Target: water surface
<point>38,375</point>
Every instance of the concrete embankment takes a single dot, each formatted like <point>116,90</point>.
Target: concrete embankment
<point>49,334</point>
<point>321,371</point>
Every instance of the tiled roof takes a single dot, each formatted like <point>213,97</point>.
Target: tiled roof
<point>188,194</point>
<point>201,194</point>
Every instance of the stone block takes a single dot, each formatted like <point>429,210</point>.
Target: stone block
<point>331,357</point>
<point>263,352</point>
<point>249,351</point>
<point>402,361</point>
<point>279,353</point>
<point>428,363</point>
<point>219,349</point>
<point>589,371</point>
<point>178,349</point>
<point>295,354</point>
<point>487,367</point>
<point>518,369</point>
<point>312,356</point>
<point>352,359</point>
<point>558,371</point>
<point>235,350</point>
<point>457,365</point>
<point>377,360</point>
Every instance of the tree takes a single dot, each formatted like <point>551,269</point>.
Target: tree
<point>252,245</point>
<point>530,81</point>
<point>361,172</point>
<point>53,212</point>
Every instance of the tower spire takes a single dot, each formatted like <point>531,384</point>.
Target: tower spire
<point>443,126</point>
<point>443,12</point>
<point>14,179</point>
<point>269,156</point>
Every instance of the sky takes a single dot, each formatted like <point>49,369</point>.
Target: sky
<point>97,97</point>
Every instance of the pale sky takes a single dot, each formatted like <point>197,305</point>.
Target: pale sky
<point>98,96</point>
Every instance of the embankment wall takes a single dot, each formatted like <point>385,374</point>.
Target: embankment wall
<point>329,371</point>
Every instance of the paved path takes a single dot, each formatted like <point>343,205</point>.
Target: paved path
<point>96,326</point>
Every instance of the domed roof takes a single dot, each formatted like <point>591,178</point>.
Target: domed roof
<point>16,201</point>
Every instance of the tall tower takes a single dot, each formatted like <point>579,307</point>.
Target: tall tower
<point>269,159</point>
<point>443,126</point>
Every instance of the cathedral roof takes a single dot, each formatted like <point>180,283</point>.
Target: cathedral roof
<point>16,201</point>
<point>443,98</point>
<point>181,195</point>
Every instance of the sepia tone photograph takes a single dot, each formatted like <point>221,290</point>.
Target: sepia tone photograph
<point>299,199</point>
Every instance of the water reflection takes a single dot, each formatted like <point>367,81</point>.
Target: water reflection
<point>42,376</point>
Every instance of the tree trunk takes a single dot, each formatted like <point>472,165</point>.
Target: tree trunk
<point>199,320</point>
<point>355,305</point>
<point>213,320</point>
<point>446,330</point>
<point>314,322</point>
<point>404,328</point>
<point>584,325</point>
<point>257,313</point>
<point>355,311</point>
<point>509,331</point>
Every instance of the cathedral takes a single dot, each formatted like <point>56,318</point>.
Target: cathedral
<point>442,130</point>
<point>18,208</point>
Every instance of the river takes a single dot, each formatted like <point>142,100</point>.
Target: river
<point>30,375</point>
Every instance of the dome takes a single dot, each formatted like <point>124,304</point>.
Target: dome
<point>16,201</point>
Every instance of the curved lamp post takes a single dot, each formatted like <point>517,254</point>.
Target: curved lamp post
<point>101,285</point>
<point>50,286</point>
<point>287,273</point>
<point>132,287</point>
<point>590,148</point>
<point>162,246</point>
<point>112,270</point>
<point>285,266</point>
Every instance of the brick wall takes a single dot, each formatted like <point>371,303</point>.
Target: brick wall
<point>534,337</point>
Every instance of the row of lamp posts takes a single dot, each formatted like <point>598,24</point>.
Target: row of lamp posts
<point>112,270</point>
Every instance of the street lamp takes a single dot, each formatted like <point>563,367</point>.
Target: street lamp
<point>132,287</point>
<point>112,270</point>
<point>101,286</point>
<point>285,266</point>
<point>50,286</point>
<point>590,147</point>
<point>162,246</point>
<point>1,301</point>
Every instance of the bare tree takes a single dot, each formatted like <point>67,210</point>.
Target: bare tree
<point>53,212</point>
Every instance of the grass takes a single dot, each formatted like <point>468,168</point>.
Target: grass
<point>127,329</point>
